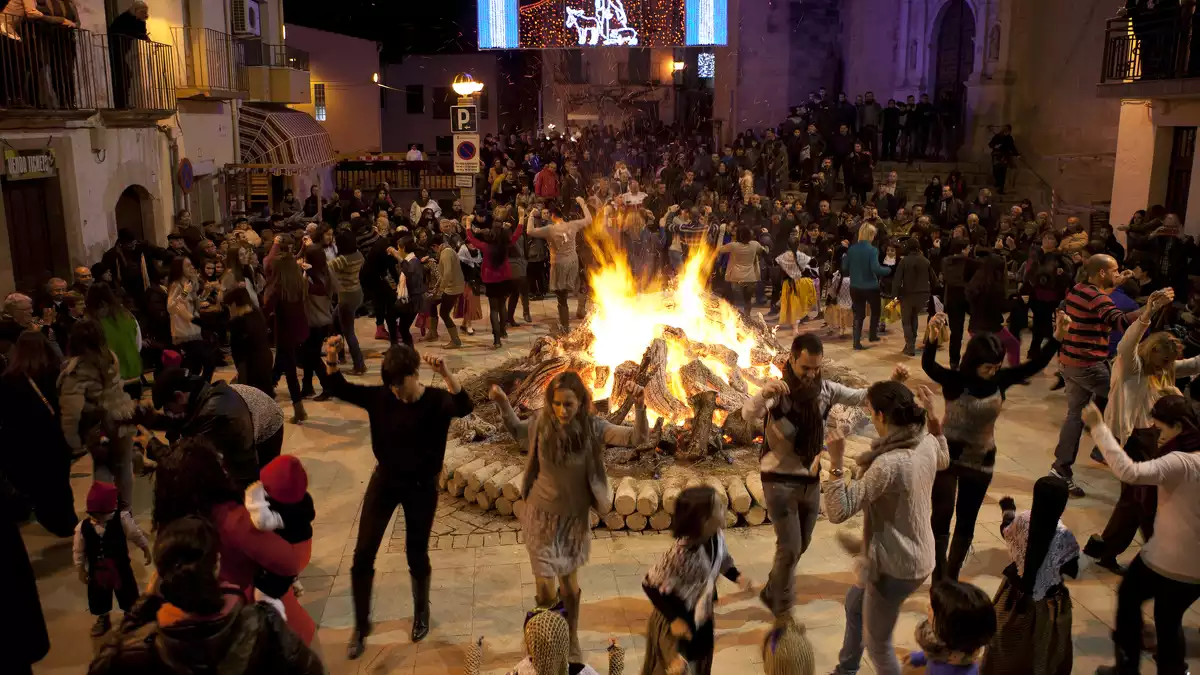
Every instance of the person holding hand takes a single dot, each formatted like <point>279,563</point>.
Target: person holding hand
<point>893,491</point>
<point>796,409</point>
<point>409,426</point>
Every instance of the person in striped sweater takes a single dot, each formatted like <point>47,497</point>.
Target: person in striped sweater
<point>1083,356</point>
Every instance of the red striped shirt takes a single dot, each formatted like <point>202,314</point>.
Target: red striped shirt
<point>1093,317</point>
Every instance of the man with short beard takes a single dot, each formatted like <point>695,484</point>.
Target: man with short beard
<point>795,409</point>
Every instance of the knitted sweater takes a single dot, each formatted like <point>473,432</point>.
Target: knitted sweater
<point>894,494</point>
<point>1130,394</point>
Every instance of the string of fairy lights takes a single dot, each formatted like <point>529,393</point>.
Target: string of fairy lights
<point>659,23</point>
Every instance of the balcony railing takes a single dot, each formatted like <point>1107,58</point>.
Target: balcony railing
<point>259,53</point>
<point>209,63</point>
<point>141,74</point>
<point>1151,45</point>
<point>51,68</point>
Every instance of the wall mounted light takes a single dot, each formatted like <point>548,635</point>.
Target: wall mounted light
<point>678,66</point>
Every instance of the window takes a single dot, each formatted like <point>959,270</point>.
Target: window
<point>319,101</point>
<point>444,144</point>
<point>443,98</point>
<point>414,95</point>
<point>639,66</point>
<point>573,69</point>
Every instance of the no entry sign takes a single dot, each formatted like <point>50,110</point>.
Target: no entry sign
<point>466,153</point>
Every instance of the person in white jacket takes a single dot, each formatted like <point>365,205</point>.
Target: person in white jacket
<point>1167,570</point>
<point>422,202</point>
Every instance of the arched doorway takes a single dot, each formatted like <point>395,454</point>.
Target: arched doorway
<point>133,211</point>
<point>954,61</point>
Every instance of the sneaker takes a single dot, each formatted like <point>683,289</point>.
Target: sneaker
<point>102,626</point>
<point>1073,489</point>
<point>858,347</point>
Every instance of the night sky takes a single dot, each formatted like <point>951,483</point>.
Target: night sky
<point>403,26</point>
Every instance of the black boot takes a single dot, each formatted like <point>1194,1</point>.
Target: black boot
<point>940,544</point>
<point>420,627</point>
<point>959,548</point>
<point>360,587</point>
<point>1126,663</point>
<point>357,644</point>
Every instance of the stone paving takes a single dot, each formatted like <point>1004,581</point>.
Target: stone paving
<point>483,583</point>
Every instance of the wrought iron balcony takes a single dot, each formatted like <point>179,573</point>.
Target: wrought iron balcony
<point>50,71</point>
<point>209,64</point>
<point>1151,45</point>
<point>259,53</point>
<point>140,79</point>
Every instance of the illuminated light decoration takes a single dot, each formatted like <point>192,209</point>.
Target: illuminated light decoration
<point>609,26</point>
<point>498,24</point>
<point>678,66</point>
<point>707,22</point>
<point>706,64</point>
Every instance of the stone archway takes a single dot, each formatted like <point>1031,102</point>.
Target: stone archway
<point>134,210</point>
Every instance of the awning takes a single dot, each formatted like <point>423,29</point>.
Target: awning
<point>281,140</point>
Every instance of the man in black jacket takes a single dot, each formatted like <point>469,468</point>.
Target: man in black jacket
<point>239,424</point>
<point>891,130</point>
<point>986,210</point>
<point>950,211</point>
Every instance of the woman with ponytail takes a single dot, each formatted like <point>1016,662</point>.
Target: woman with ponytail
<point>893,492</point>
<point>1167,569</point>
<point>194,623</point>
<point>1033,607</point>
<point>975,393</point>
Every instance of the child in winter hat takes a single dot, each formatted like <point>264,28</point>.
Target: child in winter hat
<point>101,554</point>
<point>279,502</point>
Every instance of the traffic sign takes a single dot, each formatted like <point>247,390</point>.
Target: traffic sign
<point>186,174</point>
<point>466,153</point>
<point>464,119</point>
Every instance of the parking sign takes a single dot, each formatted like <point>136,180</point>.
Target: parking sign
<point>466,153</point>
<point>464,119</point>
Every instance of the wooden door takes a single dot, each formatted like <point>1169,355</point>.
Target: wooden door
<point>1179,171</point>
<point>37,240</point>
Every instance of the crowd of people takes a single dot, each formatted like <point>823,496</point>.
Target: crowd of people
<point>278,297</point>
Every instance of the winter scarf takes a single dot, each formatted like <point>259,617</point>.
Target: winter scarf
<point>801,407</point>
<point>900,438</point>
<point>689,571</point>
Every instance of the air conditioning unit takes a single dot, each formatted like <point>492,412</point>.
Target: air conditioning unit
<point>247,19</point>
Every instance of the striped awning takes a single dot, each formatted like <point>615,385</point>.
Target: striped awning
<point>275,137</point>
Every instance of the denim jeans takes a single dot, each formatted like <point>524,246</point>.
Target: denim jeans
<point>871,614</point>
<point>793,507</point>
<point>348,304</point>
<point>1083,385</point>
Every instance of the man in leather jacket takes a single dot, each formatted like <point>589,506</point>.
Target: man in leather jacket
<point>214,410</point>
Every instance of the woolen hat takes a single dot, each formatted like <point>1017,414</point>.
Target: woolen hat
<point>285,479</point>
<point>102,498</point>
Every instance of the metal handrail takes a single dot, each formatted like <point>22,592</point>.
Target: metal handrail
<point>209,59</point>
<point>259,53</point>
<point>140,73</point>
<point>52,67</point>
<point>1149,45</point>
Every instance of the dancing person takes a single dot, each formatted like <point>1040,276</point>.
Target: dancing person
<point>894,494</point>
<point>914,282</point>
<point>184,308</point>
<point>29,415</point>
<point>1033,605</point>
<point>861,264</point>
<point>564,257</point>
<point>243,422</point>
<point>194,618</point>
<point>283,304</point>
<point>1143,372</point>
<point>960,624</point>
<point>409,426</point>
<point>564,477</point>
<point>101,554</point>
<point>451,286</point>
<point>975,393</point>
<point>347,268</point>
<point>1167,569</point>
<point>682,586</point>
<point>1048,276</point>
<point>409,296</point>
<point>496,272</point>
<point>987,296</point>
<point>96,413</point>
<point>1084,355</point>
<point>318,310</point>
<point>250,342</point>
<point>191,481</point>
<point>796,408</point>
<point>958,268</point>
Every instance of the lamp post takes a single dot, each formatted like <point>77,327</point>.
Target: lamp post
<point>466,87</point>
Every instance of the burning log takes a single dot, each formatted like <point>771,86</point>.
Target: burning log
<point>658,393</point>
<point>661,520</point>
<point>700,349</point>
<point>492,486</point>
<point>600,376</point>
<point>739,497</point>
<point>703,404</point>
<point>636,522</point>
<point>698,377</point>
<point>740,431</point>
<point>511,489</point>
<point>530,395</point>
<point>625,501</point>
<point>647,497</point>
<point>620,401</point>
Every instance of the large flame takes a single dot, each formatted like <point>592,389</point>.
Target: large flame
<point>630,312</point>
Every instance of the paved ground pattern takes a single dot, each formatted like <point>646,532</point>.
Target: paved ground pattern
<point>483,583</point>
